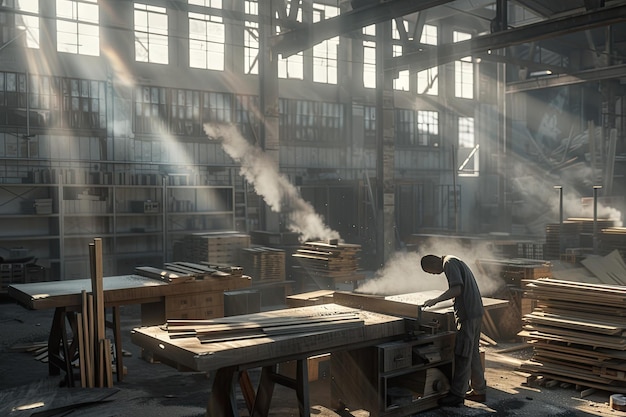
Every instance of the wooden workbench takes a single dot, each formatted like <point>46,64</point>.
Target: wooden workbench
<point>228,361</point>
<point>152,294</point>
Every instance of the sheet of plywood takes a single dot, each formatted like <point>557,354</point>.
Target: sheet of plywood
<point>609,269</point>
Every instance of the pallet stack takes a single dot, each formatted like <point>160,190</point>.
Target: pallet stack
<point>219,248</point>
<point>578,333</point>
<point>329,263</point>
<point>263,264</point>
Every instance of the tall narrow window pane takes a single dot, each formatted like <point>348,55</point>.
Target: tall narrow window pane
<point>325,53</point>
<point>291,66</point>
<point>427,128</point>
<point>206,41</point>
<point>78,30</point>
<point>369,57</point>
<point>468,149</point>
<point>428,79</point>
<point>251,38</point>
<point>463,70</point>
<point>151,31</point>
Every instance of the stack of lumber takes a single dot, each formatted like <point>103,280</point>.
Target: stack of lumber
<point>218,248</point>
<point>613,238</point>
<point>94,348</point>
<point>577,233</point>
<point>337,262</point>
<point>263,264</point>
<point>231,329</point>
<point>176,272</point>
<point>578,332</point>
<point>569,235</point>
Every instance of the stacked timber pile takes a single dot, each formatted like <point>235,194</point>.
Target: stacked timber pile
<point>329,264</point>
<point>230,329</point>
<point>263,264</point>
<point>577,233</point>
<point>218,248</point>
<point>578,331</point>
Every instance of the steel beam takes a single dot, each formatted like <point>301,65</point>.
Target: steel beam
<point>308,35</point>
<point>543,30</point>
<point>595,74</point>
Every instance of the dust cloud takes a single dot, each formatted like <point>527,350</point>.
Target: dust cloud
<point>278,193</point>
<point>403,272</point>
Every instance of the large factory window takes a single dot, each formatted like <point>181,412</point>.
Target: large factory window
<point>206,41</point>
<point>428,79</point>
<point>21,24</point>
<point>151,32</point>
<point>78,30</point>
<point>251,39</point>
<point>463,70</point>
<point>325,53</point>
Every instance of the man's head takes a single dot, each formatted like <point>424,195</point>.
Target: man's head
<point>432,264</point>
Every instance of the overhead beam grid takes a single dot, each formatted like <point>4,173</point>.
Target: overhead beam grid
<point>546,29</point>
<point>309,35</point>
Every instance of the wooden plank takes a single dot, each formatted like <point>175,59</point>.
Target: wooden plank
<point>95,251</point>
<point>81,350</point>
<point>191,353</point>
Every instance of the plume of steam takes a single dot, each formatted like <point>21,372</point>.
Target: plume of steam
<point>278,193</point>
<point>403,272</point>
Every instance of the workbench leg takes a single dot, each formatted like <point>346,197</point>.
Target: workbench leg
<point>66,353</point>
<point>54,340</point>
<point>264,392</point>
<point>247,390</point>
<point>117,337</point>
<point>302,387</point>
<point>222,401</point>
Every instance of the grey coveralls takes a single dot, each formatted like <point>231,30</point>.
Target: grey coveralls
<point>468,312</point>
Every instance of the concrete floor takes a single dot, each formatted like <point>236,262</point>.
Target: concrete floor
<point>155,389</point>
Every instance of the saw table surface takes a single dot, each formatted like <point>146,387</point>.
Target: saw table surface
<point>253,352</point>
<point>228,361</point>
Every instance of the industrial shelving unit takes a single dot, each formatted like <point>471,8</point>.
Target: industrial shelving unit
<point>138,217</point>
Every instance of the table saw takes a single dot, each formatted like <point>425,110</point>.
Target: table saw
<point>387,354</point>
